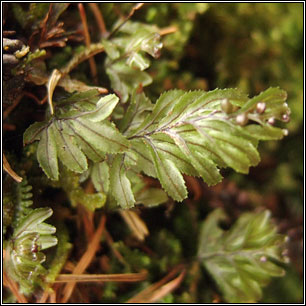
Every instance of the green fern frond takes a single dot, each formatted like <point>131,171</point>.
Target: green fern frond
<point>23,257</point>
<point>23,201</point>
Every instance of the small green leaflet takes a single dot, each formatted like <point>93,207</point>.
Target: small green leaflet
<point>100,176</point>
<point>242,259</point>
<point>68,152</point>
<point>78,129</point>
<point>120,185</point>
<point>169,175</point>
<point>47,153</point>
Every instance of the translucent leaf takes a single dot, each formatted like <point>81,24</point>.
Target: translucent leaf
<point>47,153</point>
<point>46,241</point>
<point>205,168</point>
<point>70,155</point>
<point>120,185</point>
<point>85,100</point>
<point>104,108</point>
<point>143,162</point>
<point>138,109</point>
<point>89,150</point>
<point>103,135</point>
<point>100,176</point>
<point>169,150</point>
<point>125,79</point>
<point>70,183</point>
<point>151,197</point>
<point>111,49</point>
<point>267,133</point>
<point>168,174</point>
<point>273,98</point>
<point>126,57</point>
<point>88,104</point>
<point>199,132</point>
<point>32,133</point>
<point>165,102</point>
<point>242,259</point>
<point>143,37</point>
<point>32,221</point>
<point>75,131</point>
<point>138,61</point>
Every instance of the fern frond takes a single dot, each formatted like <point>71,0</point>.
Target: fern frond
<point>23,201</point>
<point>23,259</point>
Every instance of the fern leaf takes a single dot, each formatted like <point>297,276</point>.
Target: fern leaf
<point>242,259</point>
<point>199,132</point>
<point>31,235</point>
<point>120,185</point>
<point>78,129</point>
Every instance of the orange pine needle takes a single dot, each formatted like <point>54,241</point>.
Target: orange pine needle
<point>127,277</point>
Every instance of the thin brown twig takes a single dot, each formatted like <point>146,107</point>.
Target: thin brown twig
<point>30,95</point>
<point>9,127</point>
<point>85,259</point>
<point>12,107</point>
<point>133,10</point>
<point>99,18</point>
<point>92,63</point>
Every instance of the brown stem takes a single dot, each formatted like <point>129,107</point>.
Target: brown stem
<point>133,10</point>
<point>99,18</point>
<point>92,63</point>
